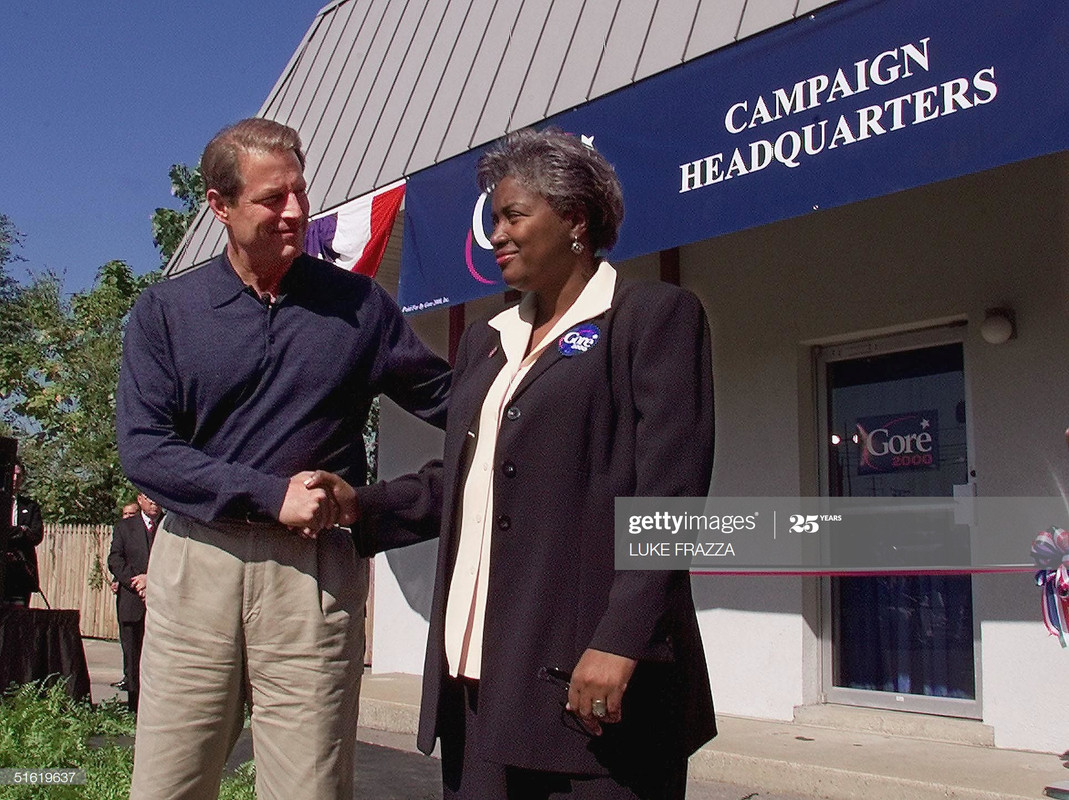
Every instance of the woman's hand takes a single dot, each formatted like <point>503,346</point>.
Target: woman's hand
<point>599,676</point>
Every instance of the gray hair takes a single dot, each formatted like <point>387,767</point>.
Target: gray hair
<point>570,175</point>
<point>220,165</point>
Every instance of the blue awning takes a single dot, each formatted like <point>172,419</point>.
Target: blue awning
<point>862,99</point>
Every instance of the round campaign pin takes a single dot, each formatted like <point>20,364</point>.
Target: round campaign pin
<point>579,339</point>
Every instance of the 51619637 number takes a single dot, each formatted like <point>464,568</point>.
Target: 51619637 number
<point>42,777</point>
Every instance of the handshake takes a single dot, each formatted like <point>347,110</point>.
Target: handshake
<point>316,501</point>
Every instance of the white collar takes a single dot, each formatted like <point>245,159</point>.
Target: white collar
<point>515,323</point>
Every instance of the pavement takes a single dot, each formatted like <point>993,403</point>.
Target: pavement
<point>828,752</point>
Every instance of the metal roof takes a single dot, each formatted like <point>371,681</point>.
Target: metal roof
<point>380,89</point>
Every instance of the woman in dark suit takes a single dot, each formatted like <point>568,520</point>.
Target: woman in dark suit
<point>548,672</point>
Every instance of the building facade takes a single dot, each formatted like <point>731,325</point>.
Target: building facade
<point>870,197</point>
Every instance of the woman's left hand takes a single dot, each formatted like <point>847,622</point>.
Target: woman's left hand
<point>599,676</point>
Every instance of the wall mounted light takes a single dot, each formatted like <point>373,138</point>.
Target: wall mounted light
<point>999,325</point>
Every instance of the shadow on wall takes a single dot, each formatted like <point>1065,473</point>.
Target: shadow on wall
<point>413,567</point>
<point>405,444</point>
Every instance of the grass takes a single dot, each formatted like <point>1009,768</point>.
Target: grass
<point>43,727</point>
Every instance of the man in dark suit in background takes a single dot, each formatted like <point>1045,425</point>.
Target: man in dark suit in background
<point>128,510</point>
<point>131,542</point>
<point>20,556</point>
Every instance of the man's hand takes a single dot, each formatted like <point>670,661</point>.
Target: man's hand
<point>138,583</point>
<point>599,676</point>
<point>306,507</point>
<point>344,495</point>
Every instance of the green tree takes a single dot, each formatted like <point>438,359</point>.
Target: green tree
<point>170,225</point>
<point>10,239</point>
<point>59,365</point>
<point>12,326</point>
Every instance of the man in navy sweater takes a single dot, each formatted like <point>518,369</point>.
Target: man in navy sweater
<point>243,392</point>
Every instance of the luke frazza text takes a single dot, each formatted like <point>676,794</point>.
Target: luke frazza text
<point>690,549</point>
<point>690,523</point>
<point>890,66</point>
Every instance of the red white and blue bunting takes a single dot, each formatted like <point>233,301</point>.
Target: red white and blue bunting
<point>354,235</point>
<point>1050,550</point>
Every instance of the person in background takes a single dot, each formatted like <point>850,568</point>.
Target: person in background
<point>241,383</point>
<point>131,544</point>
<point>128,510</point>
<point>549,674</point>
<point>27,531</point>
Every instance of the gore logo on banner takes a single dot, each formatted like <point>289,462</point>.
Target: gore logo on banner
<point>898,442</point>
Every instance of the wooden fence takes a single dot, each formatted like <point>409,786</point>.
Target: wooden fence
<point>73,564</point>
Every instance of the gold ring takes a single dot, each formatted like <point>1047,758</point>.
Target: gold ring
<point>598,708</point>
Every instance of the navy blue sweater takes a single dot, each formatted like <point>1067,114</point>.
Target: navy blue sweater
<point>223,397</point>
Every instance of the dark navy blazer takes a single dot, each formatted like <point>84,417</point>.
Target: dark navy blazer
<point>631,416</point>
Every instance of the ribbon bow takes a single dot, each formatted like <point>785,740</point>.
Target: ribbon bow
<point>1050,551</point>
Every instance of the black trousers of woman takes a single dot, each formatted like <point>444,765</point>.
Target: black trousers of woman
<point>468,776</point>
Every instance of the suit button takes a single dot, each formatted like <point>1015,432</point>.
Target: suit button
<point>509,469</point>
<point>504,522</point>
<point>513,413</point>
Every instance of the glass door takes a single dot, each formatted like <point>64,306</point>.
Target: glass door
<point>895,426</point>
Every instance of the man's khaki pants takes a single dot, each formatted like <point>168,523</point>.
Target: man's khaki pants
<point>237,611</point>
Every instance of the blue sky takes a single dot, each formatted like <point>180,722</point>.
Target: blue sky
<point>99,97</point>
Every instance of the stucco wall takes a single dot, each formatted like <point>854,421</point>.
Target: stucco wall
<point>939,253</point>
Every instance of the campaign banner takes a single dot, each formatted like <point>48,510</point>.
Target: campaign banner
<point>856,100</point>
<point>898,442</point>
